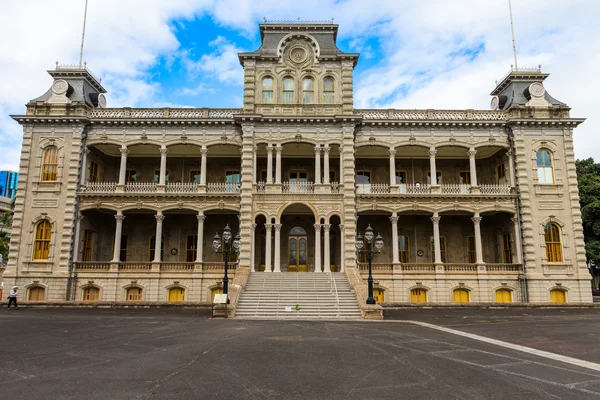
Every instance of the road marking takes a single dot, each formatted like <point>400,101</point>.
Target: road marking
<point>524,349</point>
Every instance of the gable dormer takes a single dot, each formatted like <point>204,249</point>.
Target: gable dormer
<point>298,70</point>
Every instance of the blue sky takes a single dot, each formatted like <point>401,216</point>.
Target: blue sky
<point>426,54</point>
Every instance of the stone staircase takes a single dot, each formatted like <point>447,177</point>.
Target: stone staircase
<point>324,295</point>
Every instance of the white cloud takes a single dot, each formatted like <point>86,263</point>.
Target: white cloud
<point>222,63</point>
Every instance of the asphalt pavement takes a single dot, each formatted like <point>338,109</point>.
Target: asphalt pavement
<point>183,354</point>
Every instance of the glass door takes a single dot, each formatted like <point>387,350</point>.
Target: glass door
<point>298,181</point>
<point>298,244</point>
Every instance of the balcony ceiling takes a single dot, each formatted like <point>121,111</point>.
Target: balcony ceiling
<point>180,150</point>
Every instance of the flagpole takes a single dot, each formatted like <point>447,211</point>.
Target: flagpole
<point>83,35</point>
<point>512,29</point>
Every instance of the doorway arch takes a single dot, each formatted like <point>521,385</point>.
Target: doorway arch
<point>297,249</point>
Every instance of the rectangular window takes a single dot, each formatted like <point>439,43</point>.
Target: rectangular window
<point>545,175</point>
<point>130,175</point>
<point>464,178</point>
<point>507,248</point>
<point>88,237</point>
<point>363,181</point>
<point>442,248</point>
<point>404,249</point>
<point>123,251</point>
<point>401,177</point>
<point>93,172</point>
<point>232,176</point>
<point>501,174</point>
<point>332,176</point>
<point>328,97</point>
<point>438,175</point>
<point>157,176</point>
<point>190,248</point>
<point>267,96</point>
<point>153,247</point>
<point>263,175</point>
<point>471,249</point>
<point>195,176</point>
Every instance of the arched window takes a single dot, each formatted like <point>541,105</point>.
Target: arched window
<point>41,247</point>
<point>288,90</point>
<point>418,296</point>
<point>50,164</point>
<point>558,296</point>
<point>90,293</point>
<point>503,296</point>
<point>328,90</point>
<point>461,296</point>
<point>544,167</point>
<point>36,293</point>
<point>134,294</point>
<point>308,87</point>
<point>267,90</point>
<point>553,246</point>
<point>379,295</point>
<point>176,294</point>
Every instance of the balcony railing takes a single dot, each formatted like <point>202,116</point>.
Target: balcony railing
<point>418,268</point>
<point>376,267</point>
<point>216,266</point>
<point>135,266</point>
<point>415,188</point>
<point>92,265</point>
<point>100,187</point>
<point>455,188</point>
<point>140,187</point>
<point>223,187</point>
<point>372,188</point>
<point>152,187</point>
<point>494,189</point>
<point>157,113</point>
<point>460,268</point>
<point>177,266</point>
<point>182,187</point>
<point>298,187</point>
<point>514,268</point>
<point>146,266</point>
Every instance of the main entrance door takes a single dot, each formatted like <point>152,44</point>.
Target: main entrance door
<point>297,244</point>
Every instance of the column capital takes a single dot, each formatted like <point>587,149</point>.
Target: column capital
<point>164,151</point>
<point>255,149</point>
<point>432,152</point>
<point>394,219</point>
<point>159,217</point>
<point>270,148</point>
<point>318,149</point>
<point>476,219</point>
<point>124,151</point>
<point>278,149</point>
<point>326,149</point>
<point>472,152</point>
<point>201,218</point>
<point>326,227</point>
<point>392,151</point>
<point>514,220</point>
<point>317,227</point>
<point>509,154</point>
<point>204,151</point>
<point>436,219</point>
<point>268,227</point>
<point>277,227</point>
<point>119,218</point>
<point>341,226</point>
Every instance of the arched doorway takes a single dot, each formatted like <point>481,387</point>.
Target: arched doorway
<point>297,250</point>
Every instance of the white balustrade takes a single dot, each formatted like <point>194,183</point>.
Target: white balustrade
<point>417,188</point>
<point>223,187</point>
<point>260,187</point>
<point>372,188</point>
<point>140,187</point>
<point>99,187</point>
<point>335,187</point>
<point>418,268</point>
<point>452,115</point>
<point>154,113</point>
<point>376,267</point>
<point>215,266</point>
<point>494,189</point>
<point>503,268</point>
<point>135,266</point>
<point>460,268</point>
<point>92,265</point>
<point>455,188</point>
<point>182,187</point>
<point>298,187</point>
<point>176,266</point>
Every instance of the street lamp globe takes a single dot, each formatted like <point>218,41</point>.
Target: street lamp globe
<point>236,242</point>
<point>227,234</point>
<point>359,242</point>
<point>369,234</point>
<point>378,242</point>
<point>216,243</point>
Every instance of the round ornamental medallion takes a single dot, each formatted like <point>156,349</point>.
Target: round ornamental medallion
<point>420,253</point>
<point>101,101</point>
<point>298,55</point>
<point>537,89</point>
<point>494,103</point>
<point>60,86</point>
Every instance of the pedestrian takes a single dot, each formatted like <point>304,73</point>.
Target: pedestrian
<point>12,297</point>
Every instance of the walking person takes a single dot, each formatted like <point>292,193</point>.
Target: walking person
<point>12,297</point>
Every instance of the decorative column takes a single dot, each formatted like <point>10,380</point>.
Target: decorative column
<point>158,238</point>
<point>478,249</point>
<point>269,164</point>
<point>277,263</point>
<point>268,247</point>
<point>162,180</point>
<point>511,168</point>
<point>317,164</point>
<point>436,238</point>
<point>326,248</point>
<point>118,231</point>
<point>254,165</point>
<point>517,232</point>
<point>278,150</point>
<point>84,168</point>
<point>342,245</point>
<point>432,168</point>
<point>317,247</point>
<point>123,166</point>
<point>253,250</point>
<point>204,152</point>
<point>472,166</point>
<point>326,150</point>
<point>341,175</point>
<point>76,238</point>
<point>394,220</point>
<point>200,238</point>
<point>392,153</point>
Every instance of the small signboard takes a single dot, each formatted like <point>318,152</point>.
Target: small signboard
<point>288,308</point>
<point>220,299</point>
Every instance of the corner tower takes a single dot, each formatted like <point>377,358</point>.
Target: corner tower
<point>298,70</point>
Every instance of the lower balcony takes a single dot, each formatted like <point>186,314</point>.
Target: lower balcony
<point>146,266</point>
<point>447,268</point>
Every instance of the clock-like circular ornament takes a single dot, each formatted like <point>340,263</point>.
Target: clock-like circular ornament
<point>298,55</point>
<point>494,103</point>
<point>101,101</point>
<point>174,251</point>
<point>60,87</point>
<point>536,89</point>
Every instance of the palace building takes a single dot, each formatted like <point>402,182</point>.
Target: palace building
<point>122,204</point>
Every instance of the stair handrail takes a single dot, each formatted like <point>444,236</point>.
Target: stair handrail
<point>337,296</point>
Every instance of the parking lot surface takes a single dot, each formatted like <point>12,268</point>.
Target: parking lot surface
<point>183,354</point>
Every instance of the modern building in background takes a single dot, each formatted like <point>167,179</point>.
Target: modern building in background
<point>8,184</point>
<point>122,204</point>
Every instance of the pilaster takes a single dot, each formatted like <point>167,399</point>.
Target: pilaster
<point>349,209</point>
<point>246,195</point>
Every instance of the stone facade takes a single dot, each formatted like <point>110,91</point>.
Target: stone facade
<point>298,173</point>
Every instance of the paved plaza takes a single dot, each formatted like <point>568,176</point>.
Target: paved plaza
<point>183,354</point>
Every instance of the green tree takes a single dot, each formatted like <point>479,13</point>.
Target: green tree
<point>588,179</point>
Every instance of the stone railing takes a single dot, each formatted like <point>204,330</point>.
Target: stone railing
<point>92,265</point>
<point>176,266</point>
<point>460,268</point>
<point>418,268</point>
<point>537,69</point>
<point>335,187</point>
<point>514,268</point>
<point>135,266</point>
<point>181,187</point>
<point>415,188</point>
<point>99,187</point>
<point>260,187</point>
<point>218,266</point>
<point>158,113</point>
<point>223,187</point>
<point>376,267</point>
<point>140,187</point>
<point>494,189</point>
<point>444,115</point>
<point>455,188</point>
<point>298,187</point>
<point>372,188</point>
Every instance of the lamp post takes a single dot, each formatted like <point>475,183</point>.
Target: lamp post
<point>230,247</point>
<point>369,253</point>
